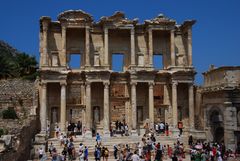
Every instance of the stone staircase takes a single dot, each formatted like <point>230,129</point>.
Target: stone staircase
<point>109,142</point>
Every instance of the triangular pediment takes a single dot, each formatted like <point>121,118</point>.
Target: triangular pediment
<point>118,18</point>
<point>160,19</point>
<point>75,15</point>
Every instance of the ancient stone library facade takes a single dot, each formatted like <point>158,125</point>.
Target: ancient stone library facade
<point>94,92</point>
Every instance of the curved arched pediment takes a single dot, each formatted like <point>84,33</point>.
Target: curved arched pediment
<point>75,15</point>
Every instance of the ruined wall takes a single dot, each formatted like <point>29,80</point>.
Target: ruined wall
<point>21,140</point>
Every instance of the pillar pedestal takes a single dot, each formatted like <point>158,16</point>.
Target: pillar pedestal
<point>88,134</point>
<point>134,132</point>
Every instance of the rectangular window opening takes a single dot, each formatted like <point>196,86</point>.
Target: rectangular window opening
<point>117,62</point>
<point>75,61</point>
<point>158,61</point>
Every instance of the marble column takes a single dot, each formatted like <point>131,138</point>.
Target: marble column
<point>43,108</point>
<point>190,47</point>
<point>134,107</point>
<point>174,105</point>
<point>63,60</point>
<point>133,57</point>
<point>191,106</point>
<point>151,102</point>
<point>106,57</point>
<point>172,48</point>
<point>88,133</point>
<point>87,47</point>
<point>150,47</point>
<point>63,107</point>
<point>106,109</point>
<point>45,44</point>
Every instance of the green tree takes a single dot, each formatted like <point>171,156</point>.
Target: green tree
<point>26,64</point>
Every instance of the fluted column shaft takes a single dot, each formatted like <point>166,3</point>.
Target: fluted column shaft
<point>172,48</point>
<point>64,46</point>
<point>174,104</point>
<point>88,106</point>
<point>45,44</point>
<point>134,107</point>
<point>106,46</point>
<point>133,59</point>
<point>150,47</point>
<point>191,105</point>
<point>43,108</point>
<point>106,106</point>
<point>87,47</point>
<point>63,107</point>
<point>151,102</point>
<point>190,47</point>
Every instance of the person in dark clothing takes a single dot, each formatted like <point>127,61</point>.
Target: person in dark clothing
<point>158,156</point>
<point>190,140</point>
<point>115,151</point>
<point>166,129</point>
<point>174,158</point>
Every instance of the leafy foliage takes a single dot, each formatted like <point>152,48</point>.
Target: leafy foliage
<point>9,113</point>
<point>1,132</point>
<point>15,64</point>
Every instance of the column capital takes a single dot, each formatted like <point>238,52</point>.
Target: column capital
<point>64,26</point>
<point>106,84</point>
<point>133,83</point>
<point>172,31</point>
<point>43,84</point>
<point>150,30</point>
<point>174,83</point>
<point>105,30</point>
<point>88,84</point>
<point>63,83</point>
<point>45,26</point>
<point>132,31</point>
<point>190,84</point>
<point>151,84</point>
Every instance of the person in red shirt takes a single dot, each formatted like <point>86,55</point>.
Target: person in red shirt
<point>180,127</point>
<point>169,149</point>
<point>148,156</point>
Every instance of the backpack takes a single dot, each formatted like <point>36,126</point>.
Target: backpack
<point>106,152</point>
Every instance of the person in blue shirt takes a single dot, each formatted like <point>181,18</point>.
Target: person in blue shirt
<point>86,153</point>
<point>98,139</point>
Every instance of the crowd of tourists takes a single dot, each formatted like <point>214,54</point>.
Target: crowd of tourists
<point>146,150</point>
<point>207,151</point>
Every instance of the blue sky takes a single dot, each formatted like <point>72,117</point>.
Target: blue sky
<point>215,35</point>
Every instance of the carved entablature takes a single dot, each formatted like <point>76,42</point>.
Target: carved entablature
<point>118,20</point>
<point>97,76</point>
<point>75,17</point>
<point>161,21</point>
<point>119,78</point>
<point>75,78</point>
<point>52,76</point>
<point>187,24</point>
<point>183,76</point>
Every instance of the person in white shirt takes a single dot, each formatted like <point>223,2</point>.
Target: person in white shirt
<point>40,152</point>
<point>57,129</point>
<point>135,157</point>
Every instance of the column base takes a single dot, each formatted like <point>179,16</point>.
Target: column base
<point>106,133</point>
<point>134,132</point>
<point>40,142</point>
<point>88,134</point>
<point>175,132</point>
